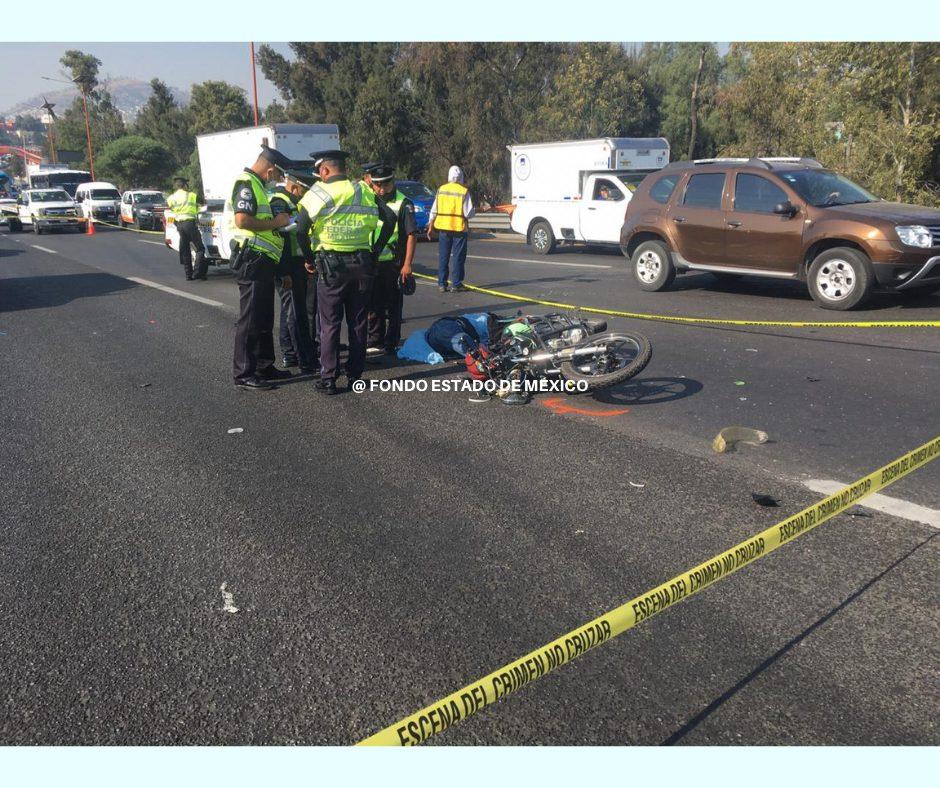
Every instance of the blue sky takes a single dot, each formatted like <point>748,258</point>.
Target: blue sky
<point>177,64</point>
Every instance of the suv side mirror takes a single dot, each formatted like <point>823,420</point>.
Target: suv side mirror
<point>786,208</point>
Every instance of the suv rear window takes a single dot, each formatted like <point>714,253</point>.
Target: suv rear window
<point>704,190</point>
<point>662,190</point>
<point>754,194</point>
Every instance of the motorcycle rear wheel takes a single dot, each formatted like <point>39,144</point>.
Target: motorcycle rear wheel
<point>630,354</point>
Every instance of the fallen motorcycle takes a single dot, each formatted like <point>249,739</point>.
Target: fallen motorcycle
<point>528,347</point>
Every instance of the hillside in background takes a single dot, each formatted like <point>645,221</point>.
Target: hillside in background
<point>129,96</point>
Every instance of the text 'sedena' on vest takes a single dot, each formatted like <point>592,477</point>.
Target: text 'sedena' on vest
<point>391,247</point>
<point>449,215</point>
<point>344,216</point>
<point>268,242</point>
<point>183,204</point>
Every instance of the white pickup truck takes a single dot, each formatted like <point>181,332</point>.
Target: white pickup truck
<point>225,154</point>
<point>577,191</point>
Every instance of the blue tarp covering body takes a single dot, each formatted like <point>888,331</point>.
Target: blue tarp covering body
<point>443,331</point>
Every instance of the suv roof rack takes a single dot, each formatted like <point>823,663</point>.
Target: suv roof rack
<point>765,162</point>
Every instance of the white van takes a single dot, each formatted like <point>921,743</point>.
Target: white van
<point>99,200</point>
<point>577,191</point>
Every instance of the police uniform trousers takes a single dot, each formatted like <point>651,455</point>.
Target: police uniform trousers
<point>189,235</point>
<point>254,330</point>
<point>313,319</point>
<point>294,335</point>
<point>385,307</point>
<point>347,292</point>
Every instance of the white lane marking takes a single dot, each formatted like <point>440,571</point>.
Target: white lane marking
<point>882,503</point>
<point>155,243</point>
<point>174,291</point>
<point>43,249</point>
<point>538,262</point>
<point>228,600</point>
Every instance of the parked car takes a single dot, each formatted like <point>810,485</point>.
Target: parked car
<point>45,209</point>
<point>423,199</point>
<point>99,200</point>
<point>143,208</point>
<point>788,218</point>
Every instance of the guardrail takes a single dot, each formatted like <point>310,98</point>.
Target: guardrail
<point>491,221</point>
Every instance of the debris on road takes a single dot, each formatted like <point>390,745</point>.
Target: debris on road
<point>144,385</point>
<point>635,484</point>
<point>813,380</point>
<point>764,500</point>
<point>228,600</point>
<point>726,440</point>
<point>236,431</point>
<point>858,512</point>
<point>739,383</point>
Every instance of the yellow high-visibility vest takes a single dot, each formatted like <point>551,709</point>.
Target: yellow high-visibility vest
<point>449,214</point>
<point>343,215</point>
<point>270,243</point>
<point>390,252</point>
<point>183,205</point>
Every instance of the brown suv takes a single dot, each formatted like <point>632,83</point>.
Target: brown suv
<point>786,218</point>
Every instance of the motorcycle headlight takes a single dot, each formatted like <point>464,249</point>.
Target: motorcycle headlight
<point>915,235</point>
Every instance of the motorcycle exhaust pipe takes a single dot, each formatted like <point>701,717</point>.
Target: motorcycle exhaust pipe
<point>563,355</point>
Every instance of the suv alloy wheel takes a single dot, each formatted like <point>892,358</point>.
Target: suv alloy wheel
<point>839,278</point>
<point>652,266</point>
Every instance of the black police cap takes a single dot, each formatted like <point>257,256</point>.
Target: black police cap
<point>325,155</point>
<point>276,158</point>
<point>379,172</point>
<point>302,175</point>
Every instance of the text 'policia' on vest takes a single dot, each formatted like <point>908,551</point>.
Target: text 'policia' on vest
<point>344,215</point>
<point>450,198</point>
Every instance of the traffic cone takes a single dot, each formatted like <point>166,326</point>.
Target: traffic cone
<point>91,226</point>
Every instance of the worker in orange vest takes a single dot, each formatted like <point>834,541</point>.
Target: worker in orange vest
<point>450,215</point>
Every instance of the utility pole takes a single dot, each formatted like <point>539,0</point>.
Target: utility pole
<point>254,78</point>
<point>81,89</point>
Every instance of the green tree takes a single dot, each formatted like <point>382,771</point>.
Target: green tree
<point>217,106</point>
<point>82,68</point>
<point>163,120</point>
<point>275,112</point>
<point>675,72</point>
<point>136,161</point>
<point>471,100</point>
<point>105,121</point>
<point>598,91</point>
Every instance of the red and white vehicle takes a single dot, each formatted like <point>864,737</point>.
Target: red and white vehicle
<point>143,208</point>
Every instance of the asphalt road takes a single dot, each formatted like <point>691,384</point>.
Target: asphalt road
<point>384,550</point>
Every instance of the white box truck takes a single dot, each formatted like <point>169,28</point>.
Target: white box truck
<point>224,154</point>
<point>578,191</point>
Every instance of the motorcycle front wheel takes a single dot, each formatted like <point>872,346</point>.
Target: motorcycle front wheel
<point>621,357</point>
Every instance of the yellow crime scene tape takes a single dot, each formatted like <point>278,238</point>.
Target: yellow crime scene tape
<point>704,320</point>
<point>122,227</point>
<point>459,705</point>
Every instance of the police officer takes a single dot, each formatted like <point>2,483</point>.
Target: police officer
<point>256,259</point>
<point>297,346</point>
<point>340,218</point>
<point>394,263</point>
<point>185,209</point>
